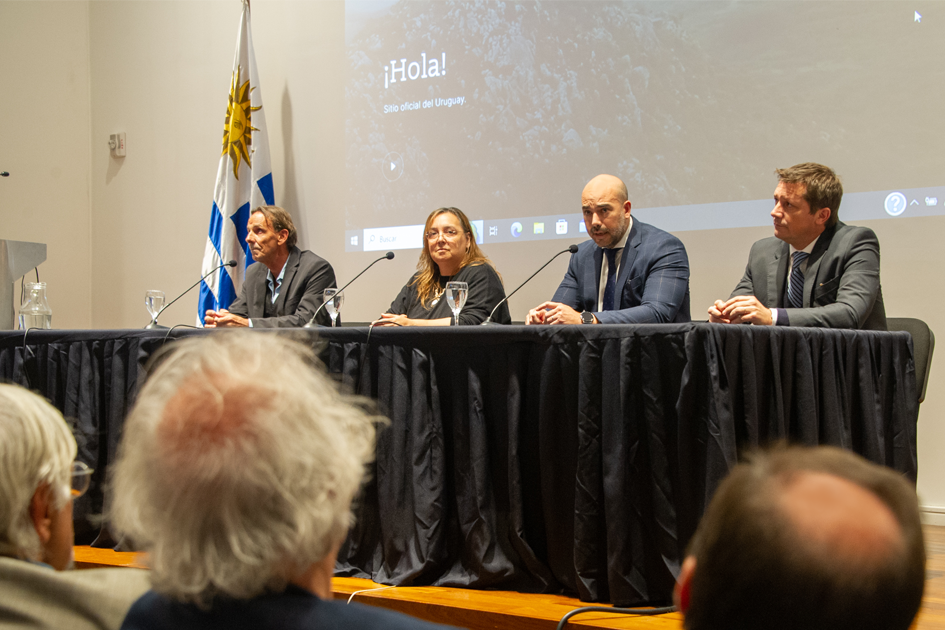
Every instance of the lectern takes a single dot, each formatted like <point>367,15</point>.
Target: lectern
<point>16,258</point>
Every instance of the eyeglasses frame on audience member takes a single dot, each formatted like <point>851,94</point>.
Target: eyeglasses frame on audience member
<point>81,479</point>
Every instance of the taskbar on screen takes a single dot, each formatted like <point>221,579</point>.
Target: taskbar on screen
<point>858,206</point>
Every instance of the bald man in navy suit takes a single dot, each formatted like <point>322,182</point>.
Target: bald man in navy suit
<point>629,273</point>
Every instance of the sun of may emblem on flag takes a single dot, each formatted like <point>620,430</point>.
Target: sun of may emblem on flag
<point>238,127</point>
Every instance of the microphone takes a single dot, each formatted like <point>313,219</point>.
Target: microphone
<point>311,323</point>
<point>571,249</point>
<point>154,323</point>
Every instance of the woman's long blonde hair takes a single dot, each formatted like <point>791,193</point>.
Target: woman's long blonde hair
<point>427,281</point>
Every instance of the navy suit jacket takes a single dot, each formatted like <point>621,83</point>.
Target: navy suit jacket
<point>652,283</point>
<point>293,609</point>
<point>306,276</point>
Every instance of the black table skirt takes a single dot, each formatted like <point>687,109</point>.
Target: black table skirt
<point>538,459</point>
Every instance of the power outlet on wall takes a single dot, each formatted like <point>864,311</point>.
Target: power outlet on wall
<point>116,142</point>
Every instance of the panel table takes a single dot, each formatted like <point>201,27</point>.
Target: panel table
<point>537,458</point>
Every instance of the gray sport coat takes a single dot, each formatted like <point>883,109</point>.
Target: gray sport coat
<point>841,285</point>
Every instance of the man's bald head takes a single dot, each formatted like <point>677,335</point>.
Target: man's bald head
<point>606,210</point>
<point>841,521</point>
<point>607,186</point>
<point>806,538</point>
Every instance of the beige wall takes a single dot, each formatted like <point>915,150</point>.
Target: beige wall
<point>160,75</point>
<point>44,144</point>
<point>159,71</point>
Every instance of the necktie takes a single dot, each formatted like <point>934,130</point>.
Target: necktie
<point>610,287</point>
<point>796,289</point>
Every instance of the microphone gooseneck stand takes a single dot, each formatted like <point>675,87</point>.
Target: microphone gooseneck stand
<point>488,321</point>
<point>154,325</point>
<point>311,323</point>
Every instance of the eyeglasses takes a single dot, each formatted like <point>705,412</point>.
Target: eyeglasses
<point>81,478</point>
<point>448,234</point>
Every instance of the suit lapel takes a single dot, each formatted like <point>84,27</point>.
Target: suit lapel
<point>291,266</point>
<point>626,262</point>
<point>813,263</point>
<point>777,274</point>
<point>256,290</point>
<point>592,281</point>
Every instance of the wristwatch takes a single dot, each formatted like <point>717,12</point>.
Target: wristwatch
<point>587,317</point>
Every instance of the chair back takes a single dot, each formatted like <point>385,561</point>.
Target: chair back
<point>923,343</point>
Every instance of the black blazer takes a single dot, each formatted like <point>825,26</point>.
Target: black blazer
<point>306,276</point>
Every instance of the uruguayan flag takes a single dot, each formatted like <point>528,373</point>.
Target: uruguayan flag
<point>244,179</point>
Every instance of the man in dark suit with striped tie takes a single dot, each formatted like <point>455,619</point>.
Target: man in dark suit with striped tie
<point>815,270</point>
<point>630,273</point>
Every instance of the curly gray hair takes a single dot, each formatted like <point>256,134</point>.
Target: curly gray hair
<point>238,466</point>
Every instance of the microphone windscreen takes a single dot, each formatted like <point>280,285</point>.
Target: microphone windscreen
<point>232,263</point>
<point>573,249</point>
<point>390,255</point>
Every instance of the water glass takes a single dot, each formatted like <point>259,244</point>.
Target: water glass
<point>456,293</point>
<point>333,302</point>
<point>35,311</point>
<point>154,302</point>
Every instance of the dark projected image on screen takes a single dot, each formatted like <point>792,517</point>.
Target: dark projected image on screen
<point>507,109</point>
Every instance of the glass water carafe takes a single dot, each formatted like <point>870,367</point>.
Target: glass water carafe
<point>35,311</point>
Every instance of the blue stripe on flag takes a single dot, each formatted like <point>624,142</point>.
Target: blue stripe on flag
<point>207,301</point>
<point>216,228</point>
<point>227,291</point>
<point>265,187</point>
<point>240,218</point>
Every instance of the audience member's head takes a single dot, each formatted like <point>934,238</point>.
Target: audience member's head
<point>237,469</point>
<point>806,538</point>
<point>37,452</point>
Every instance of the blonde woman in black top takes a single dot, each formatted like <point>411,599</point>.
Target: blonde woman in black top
<point>450,253</point>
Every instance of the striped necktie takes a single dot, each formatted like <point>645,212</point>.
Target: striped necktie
<point>796,288</point>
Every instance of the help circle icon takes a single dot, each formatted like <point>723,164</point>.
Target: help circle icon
<point>895,204</point>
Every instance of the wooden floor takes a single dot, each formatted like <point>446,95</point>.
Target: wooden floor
<point>481,610</point>
<point>932,615</point>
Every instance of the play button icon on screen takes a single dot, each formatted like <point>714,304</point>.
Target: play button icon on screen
<point>393,166</point>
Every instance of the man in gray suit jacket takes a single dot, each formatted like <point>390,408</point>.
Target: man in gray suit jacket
<point>285,290</point>
<point>815,270</point>
<point>39,478</point>
<point>631,273</point>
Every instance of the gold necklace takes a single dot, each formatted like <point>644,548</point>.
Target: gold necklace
<point>438,294</point>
